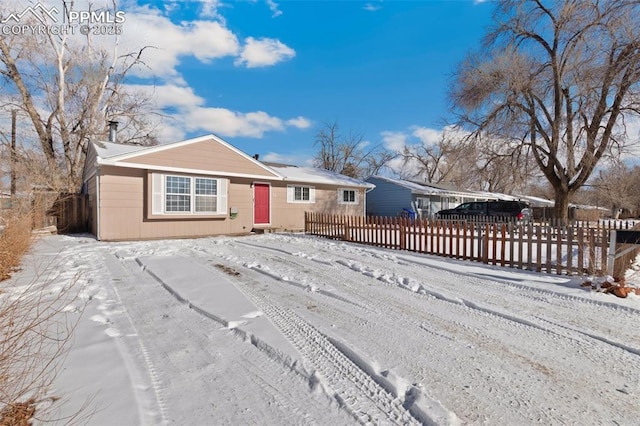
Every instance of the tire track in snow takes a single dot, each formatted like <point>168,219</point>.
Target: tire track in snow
<point>192,350</point>
<point>609,310</point>
<point>393,280</point>
<point>355,390</point>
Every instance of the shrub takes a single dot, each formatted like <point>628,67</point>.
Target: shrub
<point>15,239</point>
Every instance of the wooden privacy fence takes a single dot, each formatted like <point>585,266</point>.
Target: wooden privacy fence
<point>69,212</point>
<point>552,249</point>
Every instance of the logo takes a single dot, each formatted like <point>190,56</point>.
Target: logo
<point>39,11</point>
<point>51,21</point>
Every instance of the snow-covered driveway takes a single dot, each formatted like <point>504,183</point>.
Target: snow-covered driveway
<point>332,333</point>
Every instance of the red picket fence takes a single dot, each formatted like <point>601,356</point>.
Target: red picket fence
<point>543,248</point>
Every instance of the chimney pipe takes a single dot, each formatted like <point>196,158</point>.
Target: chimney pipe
<point>256,156</point>
<point>113,131</point>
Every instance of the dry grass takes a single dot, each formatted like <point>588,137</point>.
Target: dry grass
<point>15,240</point>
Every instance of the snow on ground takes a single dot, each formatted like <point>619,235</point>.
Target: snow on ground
<point>290,329</point>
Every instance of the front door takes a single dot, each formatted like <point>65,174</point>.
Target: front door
<point>261,204</point>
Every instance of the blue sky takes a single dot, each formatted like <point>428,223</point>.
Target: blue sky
<point>266,75</point>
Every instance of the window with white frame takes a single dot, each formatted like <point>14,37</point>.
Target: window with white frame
<point>173,194</point>
<point>347,196</point>
<point>301,194</point>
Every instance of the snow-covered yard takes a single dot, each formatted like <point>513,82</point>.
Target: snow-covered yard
<point>284,329</point>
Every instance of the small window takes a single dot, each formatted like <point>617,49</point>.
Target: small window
<point>300,194</point>
<point>347,196</point>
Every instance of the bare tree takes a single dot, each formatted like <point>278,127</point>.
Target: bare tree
<point>349,155</point>
<point>470,163</point>
<point>67,86</point>
<point>427,162</point>
<point>557,81</point>
<point>617,188</point>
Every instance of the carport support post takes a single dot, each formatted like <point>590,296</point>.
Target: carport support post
<point>612,252</point>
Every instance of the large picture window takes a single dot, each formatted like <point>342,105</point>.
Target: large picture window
<point>187,195</point>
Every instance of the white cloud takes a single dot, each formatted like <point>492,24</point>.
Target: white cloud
<point>273,6</point>
<point>428,137</point>
<point>232,123</point>
<point>299,122</point>
<point>168,42</point>
<point>370,7</point>
<point>184,112</point>
<point>394,141</point>
<point>210,8</point>
<point>293,159</point>
<point>263,52</point>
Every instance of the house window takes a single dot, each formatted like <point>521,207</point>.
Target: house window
<point>301,194</point>
<point>177,194</point>
<point>206,191</point>
<point>347,196</point>
<point>188,195</point>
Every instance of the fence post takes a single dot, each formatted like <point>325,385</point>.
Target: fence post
<point>611,252</point>
<point>485,245</point>
<point>559,250</point>
<point>604,239</point>
<point>503,243</point>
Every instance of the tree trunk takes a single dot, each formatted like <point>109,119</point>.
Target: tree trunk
<point>561,206</point>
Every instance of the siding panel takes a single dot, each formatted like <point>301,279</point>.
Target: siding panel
<point>387,198</point>
<point>206,155</point>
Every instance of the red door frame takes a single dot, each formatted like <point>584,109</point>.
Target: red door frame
<point>258,209</point>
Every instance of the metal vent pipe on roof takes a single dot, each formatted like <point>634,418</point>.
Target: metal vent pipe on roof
<point>113,131</point>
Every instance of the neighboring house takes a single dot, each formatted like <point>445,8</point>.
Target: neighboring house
<point>390,196</point>
<point>205,186</point>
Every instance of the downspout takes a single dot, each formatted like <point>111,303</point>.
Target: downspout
<point>364,205</point>
<point>98,205</point>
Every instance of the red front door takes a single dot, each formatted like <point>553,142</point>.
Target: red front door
<point>261,204</point>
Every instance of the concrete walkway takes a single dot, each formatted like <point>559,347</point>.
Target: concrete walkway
<point>210,292</point>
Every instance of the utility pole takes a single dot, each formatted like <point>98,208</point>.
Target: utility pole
<point>13,153</point>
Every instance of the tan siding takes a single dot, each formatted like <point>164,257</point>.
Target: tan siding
<point>123,201</point>
<point>120,214</point>
<point>89,163</point>
<point>93,205</point>
<point>206,155</point>
<point>290,216</point>
<point>123,214</point>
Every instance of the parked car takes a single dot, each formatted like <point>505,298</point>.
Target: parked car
<point>490,210</point>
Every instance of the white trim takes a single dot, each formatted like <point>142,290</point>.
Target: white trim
<point>188,171</point>
<point>98,207</point>
<point>157,193</point>
<point>254,204</point>
<point>304,181</point>
<point>364,202</point>
<point>158,197</point>
<point>291,194</point>
<point>341,192</point>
